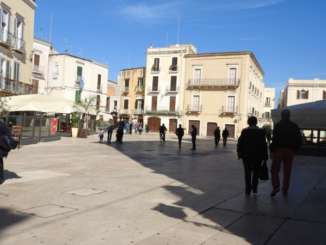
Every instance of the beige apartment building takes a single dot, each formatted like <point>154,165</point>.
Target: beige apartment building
<point>302,91</point>
<point>165,85</point>
<point>222,89</point>
<point>132,87</point>
<point>16,44</point>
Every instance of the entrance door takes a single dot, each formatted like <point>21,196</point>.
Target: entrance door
<point>231,129</point>
<point>211,128</point>
<point>196,124</point>
<point>154,124</point>
<point>173,125</point>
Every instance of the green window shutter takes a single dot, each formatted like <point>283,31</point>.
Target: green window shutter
<point>77,96</point>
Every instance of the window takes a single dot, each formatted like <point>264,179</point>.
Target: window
<point>5,17</point>
<point>79,73</point>
<point>115,105</point>
<point>78,96</point>
<point>8,69</point>
<point>19,30</point>
<point>139,104</point>
<point>155,84</point>
<point>127,80</point>
<point>197,75</point>
<point>173,83</point>
<point>231,104</point>
<point>154,103</point>
<point>99,78</point>
<point>98,102</point>
<point>195,102</point>
<point>140,82</point>
<point>35,86</point>
<point>36,60</point>
<point>107,108</point>
<point>174,65</point>
<point>302,94</point>
<point>16,71</point>
<point>268,101</point>
<point>156,66</point>
<point>324,95</point>
<point>233,75</point>
<point>126,104</point>
<point>172,103</point>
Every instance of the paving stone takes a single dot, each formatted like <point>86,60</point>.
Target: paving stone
<point>300,233</point>
<point>86,192</point>
<point>48,211</point>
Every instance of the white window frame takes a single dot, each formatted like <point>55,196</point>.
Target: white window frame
<point>196,80</point>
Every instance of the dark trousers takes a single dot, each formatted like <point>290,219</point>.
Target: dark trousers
<point>225,141</point>
<point>286,156</point>
<point>193,139</point>
<point>109,136</point>
<point>1,169</point>
<point>251,169</point>
<point>217,141</point>
<point>162,136</point>
<point>179,141</point>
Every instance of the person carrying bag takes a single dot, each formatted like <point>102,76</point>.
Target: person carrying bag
<point>7,143</point>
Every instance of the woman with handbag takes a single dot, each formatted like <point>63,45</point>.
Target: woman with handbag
<point>6,144</point>
<point>252,149</point>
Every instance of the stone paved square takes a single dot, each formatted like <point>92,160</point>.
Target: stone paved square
<point>145,192</point>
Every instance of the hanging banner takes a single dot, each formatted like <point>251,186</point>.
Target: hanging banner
<point>54,126</point>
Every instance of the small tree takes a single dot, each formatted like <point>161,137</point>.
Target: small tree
<point>3,107</point>
<point>86,104</point>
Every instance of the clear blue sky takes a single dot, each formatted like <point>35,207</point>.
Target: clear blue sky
<point>287,36</point>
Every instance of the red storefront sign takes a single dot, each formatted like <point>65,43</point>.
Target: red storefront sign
<point>54,126</point>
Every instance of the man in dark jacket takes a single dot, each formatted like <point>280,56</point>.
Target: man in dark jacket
<point>225,135</point>
<point>193,136</point>
<point>252,149</point>
<point>286,140</point>
<point>217,136</point>
<point>179,132</point>
<point>4,131</point>
<point>162,133</point>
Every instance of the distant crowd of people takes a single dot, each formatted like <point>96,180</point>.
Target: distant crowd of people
<point>252,148</point>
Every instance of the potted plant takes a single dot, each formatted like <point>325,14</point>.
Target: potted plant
<point>74,124</point>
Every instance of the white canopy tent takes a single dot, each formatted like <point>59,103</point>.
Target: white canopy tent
<point>41,103</point>
<point>307,116</point>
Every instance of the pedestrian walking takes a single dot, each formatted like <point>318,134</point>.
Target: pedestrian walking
<point>101,135</point>
<point>225,135</point>
<point>252,149</point>
<point>120,132</point>
<point>286,141</point>
<point>180,133</point>
<point>140,128</point>
<point>7,143</point>
<point>193,136</point>
<point>217,135</point>
<point>162,133</point>
<point>130,128</point>
<point>109,132</point>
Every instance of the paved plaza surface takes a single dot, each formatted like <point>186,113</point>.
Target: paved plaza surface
<point>77,191</point>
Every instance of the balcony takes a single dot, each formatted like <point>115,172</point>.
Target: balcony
<point>194,109</point>
<point>213,84</point>
<point>138,112</point>
<point>124,111</point>
<point>173,69</point>
<point>5,39</point>
<point>228,111</point>
<point>268,105</point>
<point>18,44</point>
<point>139,90</point>
<point>12,87</point>
<point>99,90</point>
<point>162,113</point>
<point>38,69</point>
<point>172,91</point>
<point>153,91</point>
<point>155,69</point>
<point>125,90</point>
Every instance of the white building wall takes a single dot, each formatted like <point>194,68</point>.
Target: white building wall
<point>63,77</point>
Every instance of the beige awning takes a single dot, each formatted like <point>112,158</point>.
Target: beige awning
<point>41,103</point>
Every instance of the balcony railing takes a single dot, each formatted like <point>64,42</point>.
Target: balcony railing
<point>172,90</point>
<point>213,84</point>
<point>99,90</point>
<point>194,109</point>
<point>5,38</point>
<point>155,69</point>
<point>17,44</point>
<point>139,90</point>
<point>125,90</point>
<point>229,111</point>
<point>124,111</point>
<point>38,69</point>
<point>173,68</point>
<point>153,91</point>
<point>13,87</point>
<point>163,112</point>
<point>138,112</point>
